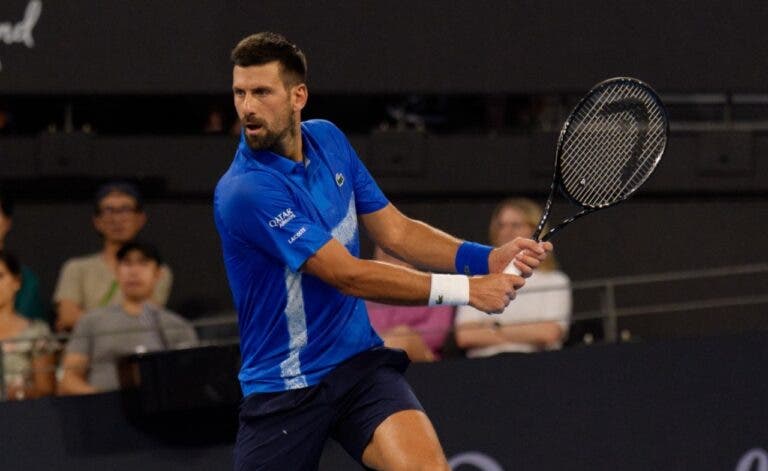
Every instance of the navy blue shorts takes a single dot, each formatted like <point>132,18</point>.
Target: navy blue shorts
<point>287,430</point>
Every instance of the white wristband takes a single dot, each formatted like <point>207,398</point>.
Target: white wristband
<point>449,290</point>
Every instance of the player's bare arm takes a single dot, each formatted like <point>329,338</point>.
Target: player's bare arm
<point>387,283</point>
<point>427,247</point>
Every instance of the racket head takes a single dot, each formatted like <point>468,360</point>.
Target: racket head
<point>611,143</point>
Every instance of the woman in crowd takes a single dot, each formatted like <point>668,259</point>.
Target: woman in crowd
<point>538,318</point>
<point>27,348</point>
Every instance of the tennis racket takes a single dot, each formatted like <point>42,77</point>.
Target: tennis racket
<point>609,145</point>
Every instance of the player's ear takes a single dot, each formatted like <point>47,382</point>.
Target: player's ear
<point>299,96</point>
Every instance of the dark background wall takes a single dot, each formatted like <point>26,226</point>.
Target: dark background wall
<point>91,46</point>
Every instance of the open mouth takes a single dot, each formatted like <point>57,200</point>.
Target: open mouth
<point>253,128</point>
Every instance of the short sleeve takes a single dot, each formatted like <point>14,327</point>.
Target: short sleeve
<point>263,214</point>
<point>80,341</point>
<point>185,337</point>
<point>43,341</point>
<point>69,282</point>
<point>368,195</point>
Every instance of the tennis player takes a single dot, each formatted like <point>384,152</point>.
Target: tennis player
<point>287,213</point>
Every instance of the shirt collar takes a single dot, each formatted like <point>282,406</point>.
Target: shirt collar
<point>270,159</point>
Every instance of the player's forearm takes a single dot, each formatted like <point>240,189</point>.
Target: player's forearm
<point>425,247</point>
<point>415,242</point>
<point>385,283</point>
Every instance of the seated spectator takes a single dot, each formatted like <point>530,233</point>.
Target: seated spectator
<point>538,318</point>
<point>27,348</point>
<point>137,324</point>
<point>419,330</point>
<point>89,282</point>
<point>28,301</point>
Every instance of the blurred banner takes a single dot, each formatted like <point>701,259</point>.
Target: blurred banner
<point>90,46</point>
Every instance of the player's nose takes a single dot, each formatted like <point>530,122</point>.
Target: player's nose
<point>249,104</point>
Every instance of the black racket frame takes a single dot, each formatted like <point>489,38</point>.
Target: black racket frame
<point>557,177</point>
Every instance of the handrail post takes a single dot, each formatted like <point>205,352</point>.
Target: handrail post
<point>610,318</point>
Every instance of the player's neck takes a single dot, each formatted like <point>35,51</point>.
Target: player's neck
<point>294,149</point>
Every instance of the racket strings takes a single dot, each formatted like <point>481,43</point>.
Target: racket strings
<point>609,182</point>
<point>620,142</point>
<point>593,123</point>
<point>587,136</point>
<point>649,145</point>
<point>643,167</point>
<point>608,153</point>
<point>593,170</point>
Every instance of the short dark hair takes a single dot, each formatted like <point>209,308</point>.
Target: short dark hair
<point>147,250</point>
<point>125,188</point>
<point>11,262</point>
<point>265,47</point>
<point>6,203</point>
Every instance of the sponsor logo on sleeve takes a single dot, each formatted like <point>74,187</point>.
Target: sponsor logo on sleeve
<point>282,219</point>
<point>298,234</point>
<point>339,179</point>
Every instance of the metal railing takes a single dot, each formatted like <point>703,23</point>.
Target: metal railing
<point>609,311</point>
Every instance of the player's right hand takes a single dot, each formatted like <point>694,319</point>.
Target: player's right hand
<point>492,293</point>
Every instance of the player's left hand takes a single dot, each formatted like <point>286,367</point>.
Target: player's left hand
<point>526,253</point>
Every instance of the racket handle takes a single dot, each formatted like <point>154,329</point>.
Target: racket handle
<point>512,269</point>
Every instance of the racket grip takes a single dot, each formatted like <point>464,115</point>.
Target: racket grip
<point>512,269</point>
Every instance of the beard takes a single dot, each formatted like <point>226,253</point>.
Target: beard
<point>272,139</point>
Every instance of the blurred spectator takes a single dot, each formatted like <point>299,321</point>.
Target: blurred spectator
<point>215,122</point>
<point>27,348</point>
<point>538,318</point>
<point>7,125</point>
<point>136,325</point>
<point>28,301</point>
<point>89,282</point>
<point>419,330</point>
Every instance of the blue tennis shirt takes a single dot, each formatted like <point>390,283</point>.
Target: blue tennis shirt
<point>272,214</point>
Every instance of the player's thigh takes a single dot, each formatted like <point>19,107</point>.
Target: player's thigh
<point>374,398</point>
<point>406,440</point>
<point>288,439</point>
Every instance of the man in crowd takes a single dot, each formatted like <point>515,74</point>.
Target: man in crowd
<point>89,282</point>
<point>137,324</point>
